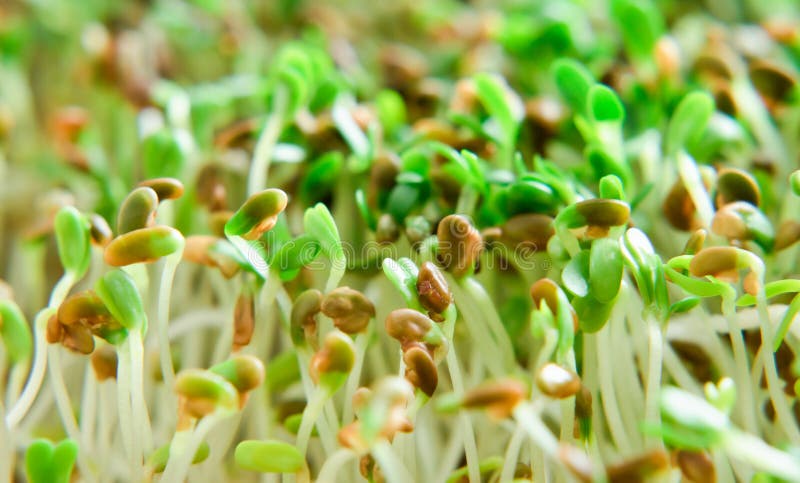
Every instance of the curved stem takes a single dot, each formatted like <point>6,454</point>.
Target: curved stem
<point>393,470</point>
<point>25,401</point>
<point>652,413</point>
<point>355,377</point>
<point>327,474</point>
<point>262,154</point>
<point>65,409</point>
<point>470,446</point>
<point>162,324</point>
<point>512,454</point>
<point>496,327</point>
<point>184,446</point>
<point>774,383</point>
<point>743,381</point>
<point>311,413</point>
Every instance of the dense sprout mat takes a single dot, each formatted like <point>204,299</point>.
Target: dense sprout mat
<point>433,241</point>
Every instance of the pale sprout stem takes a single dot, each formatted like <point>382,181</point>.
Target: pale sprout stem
<point>327,474</point>
<point>485,343</point>
<point>162,324</point>
<point>609,397</point>
<point>774,383</point>
<point>23,404</point>
<point>487,308</point>
<point>262,154</point>
<point>124,409</point>
<point>743,382</point>
<point>184,446</point>
<point>652,391</point>
<point>16,382</point>
<point>355,376</point>
<point>88,417</point>
<point>64,407</point>
<point>512,454</point>
<point>470,446</point>
<point>392,468</point>
<point>311,413</point>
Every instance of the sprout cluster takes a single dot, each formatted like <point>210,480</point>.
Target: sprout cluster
<point>432,241</point>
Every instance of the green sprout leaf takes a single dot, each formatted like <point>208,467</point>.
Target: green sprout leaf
<point>73,240</point>
<point>16,333</point>
<point>641,25</point>
<point>157,461</point>
<point>48,463</point>
<point>605,269</point>
<point>268,456</point>
<point>689,121</point>
<point>501,103</point>
<point>318,223</point>
<point>604,105</point>
<point>118,292</point>
<point>574,82</point>
<point>162,155</point>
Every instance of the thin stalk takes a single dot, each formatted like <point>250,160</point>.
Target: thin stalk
<point>743,382</point>
<point>480,336</point>
<point>327,474</point>
<point>470,446</point>
<point>311,413</point>
<point>124,409</point>
<point>512,454</point>
<point>6,445</point>
<point>761,456</point>
<point>652,390</point>
<point>162,324</point>
<point>25,401</point>
<point>88,410</point>
<point>141,419</point>
<point>609,397</point>
<point>262,154</point>
<point>774,383</point>
<point>184,446</point>
<point>65,408</point>
<point>496,327</point>
<point>355,376</point>
<point>393,470</point>
<point>528,419</point>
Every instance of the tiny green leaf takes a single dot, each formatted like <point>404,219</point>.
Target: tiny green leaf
<point>46,463</point>
<point>144,245</point>
<point>575,275</point>
<point>604,105</point>
<point>73,240</point>
<point>268,456</point>
<point>118,292</point>
<point>258,214</point>
<point>605,269</point>
<point>573,81</point>
<point>689,121</point>
<point>16,332</point>
<point>158,459</point>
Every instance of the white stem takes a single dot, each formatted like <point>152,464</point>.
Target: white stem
<point>262,154</point>
<point>141,419</point>
<point>743,382</point>
<point>492,319</point>
<point>25,401</point>
<point>327,474</point>
<point>162,325</point>
<point>88,415</point>
<point>760,455</point>
<point>652,413</point>
<point>392,469</point>
<point>355,377</point>
<point>774,383</point>
<point>184,446</point>
<point>470,446</point>
<point>609,397</point>
<point>124,409</point>
<point>311,413</point>
<point>512,454</point>
<point>65,408</point>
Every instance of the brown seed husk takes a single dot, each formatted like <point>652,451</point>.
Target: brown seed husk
<point>434,293</point>
<point>243,320</point>
<point>349,309</point>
